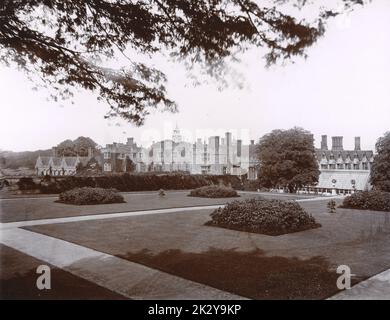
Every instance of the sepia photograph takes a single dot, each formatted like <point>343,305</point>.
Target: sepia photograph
<point>215,151</point>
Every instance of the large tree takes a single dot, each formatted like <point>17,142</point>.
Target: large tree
<point>380,170</point>
<point>79,146</point>
<point>287,159</point>
<point>68,43</point>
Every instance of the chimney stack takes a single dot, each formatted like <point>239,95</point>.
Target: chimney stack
<point>252,142</point>
<point>357,143</point>
<point>130,141</point>
<point>337,143</point>
<point>324,142</point>
<point>54,151</point>
<point>239,145</point>
<point>228,137</point>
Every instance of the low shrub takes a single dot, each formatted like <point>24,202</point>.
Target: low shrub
<point>214,192</point>
<point>368,200</point>
<point>331,205</point>
<point>88,195</point>
<point>271,217</point>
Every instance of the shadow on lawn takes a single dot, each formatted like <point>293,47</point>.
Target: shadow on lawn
<point>64,286</point>
<point>249,274</point>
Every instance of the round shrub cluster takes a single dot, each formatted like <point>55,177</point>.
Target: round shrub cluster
<point>214,192</point>
<point>271,217</point>
<point>368,200</point>
<point>88,195</point>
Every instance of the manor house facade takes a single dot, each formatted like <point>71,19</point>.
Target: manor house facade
<point>217,156</point>
<point>343,170</point>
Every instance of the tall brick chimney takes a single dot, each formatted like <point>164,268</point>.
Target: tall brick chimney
<point>357,143</point>
<point>130,141</point>
<point>214,149</point>
<point>228,137</point>
<point>337,143</point>
<point>239,146</point>
<point>54,151</point>
<point>324,142</point>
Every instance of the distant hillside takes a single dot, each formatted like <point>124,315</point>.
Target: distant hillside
<point>27,159</point>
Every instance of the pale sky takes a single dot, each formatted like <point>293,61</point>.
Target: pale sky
<point>343,88</point>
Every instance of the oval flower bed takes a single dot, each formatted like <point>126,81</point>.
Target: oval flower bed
<point>89,195</point>
<point>214,192</point>
<point>270,217</point>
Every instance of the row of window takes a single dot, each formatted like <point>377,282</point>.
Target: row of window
<point>107,155</point>
<point>347,166</point>
<point>182,153</point>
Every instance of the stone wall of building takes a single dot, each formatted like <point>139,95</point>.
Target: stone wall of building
<point>343,170</point>
<point>215,156</point>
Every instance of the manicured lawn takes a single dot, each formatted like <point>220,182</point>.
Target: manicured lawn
<point>297,265</point>
<point>20,209</point>
<point>18,280</point>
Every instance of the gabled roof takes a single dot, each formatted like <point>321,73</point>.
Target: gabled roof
<point>56,161</point>
<point>60,162</point>
<point>324,161</point>
<point>43,161</point>
<point>344,155</point>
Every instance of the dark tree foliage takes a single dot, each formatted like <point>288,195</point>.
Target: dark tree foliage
<point>380,170</point>
<point>79,146</point>
<point>67,42</point>
<point>287,159</point>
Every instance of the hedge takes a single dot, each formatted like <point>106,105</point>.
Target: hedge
<point>27,183</point>
<point>136,182</point>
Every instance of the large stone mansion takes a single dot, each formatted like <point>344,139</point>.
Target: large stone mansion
<point>218,155</point>
<point>341,170</point>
